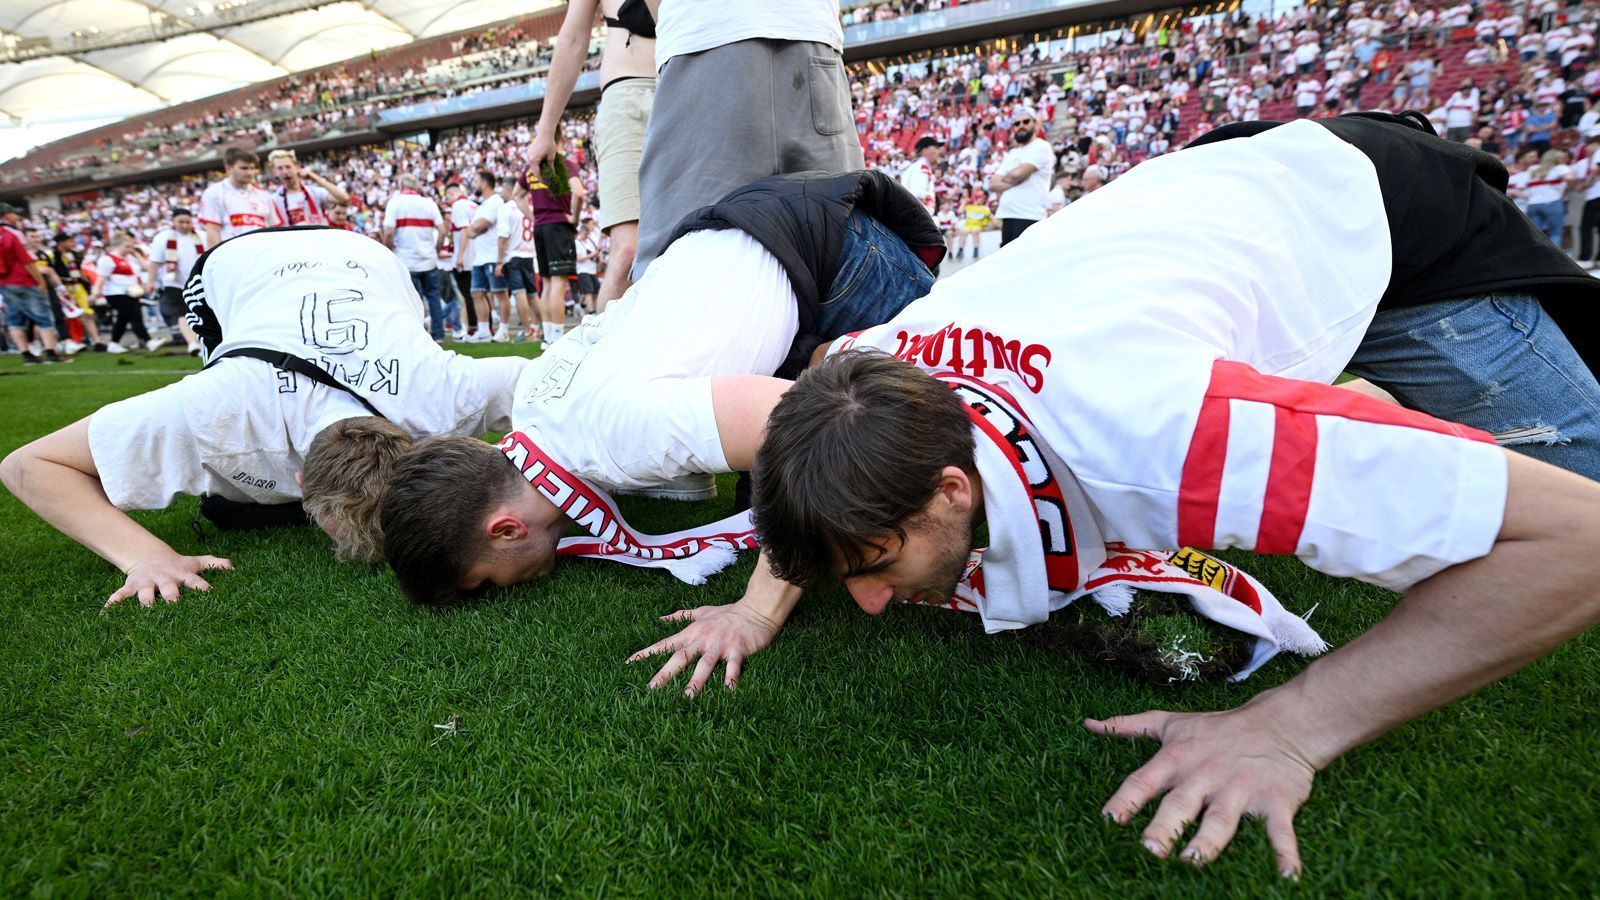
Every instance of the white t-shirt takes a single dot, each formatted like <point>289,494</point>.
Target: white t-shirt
<point>1549,187</point>
<point>237,211</point>
<point>643,368</point>
<point>119,273</point>
<point>416,222</point>
<point>1180,402</point>
<point>587,246</point>
<point>1580,171</point>
<point>241,428</point>
<point>1461,110</point>
<point>517,229</point>
<point>690,26</point>
<point>918,179</point>
<point>1026,200</point>
<point>461,215</point>
<point>486,246</point>
<point>174,255</point>
<point>306,206</point>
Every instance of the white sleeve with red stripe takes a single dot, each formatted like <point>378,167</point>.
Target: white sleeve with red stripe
<point>1353,486</point>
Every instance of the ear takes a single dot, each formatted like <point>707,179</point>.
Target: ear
<point>506,526</point>
<point>956,488</point>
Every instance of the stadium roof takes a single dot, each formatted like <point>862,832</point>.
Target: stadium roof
<point>66,60</point>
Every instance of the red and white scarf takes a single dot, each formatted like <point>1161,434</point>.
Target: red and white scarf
<point>1045,549</point>
<point>692,555</point>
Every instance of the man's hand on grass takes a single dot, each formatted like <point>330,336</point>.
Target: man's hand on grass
<point>716,634</point>
<point>166,575</point>
<point>1214,768</point>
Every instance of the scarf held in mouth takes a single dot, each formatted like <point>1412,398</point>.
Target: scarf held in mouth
<point>1045,550</point>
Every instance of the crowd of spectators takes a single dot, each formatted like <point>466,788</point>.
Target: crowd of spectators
<point>1522,85</point>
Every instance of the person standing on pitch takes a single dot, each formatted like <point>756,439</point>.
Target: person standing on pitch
<point>414,229</point>
<point>553,207</point>
<point>300,203</point>
<point>487,287</point>
<point>627,91</point>
<point>237,205</point>
<point>170,259</point>
<point>1023,176</point>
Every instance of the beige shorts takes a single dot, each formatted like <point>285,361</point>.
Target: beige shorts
<point>619,126</point>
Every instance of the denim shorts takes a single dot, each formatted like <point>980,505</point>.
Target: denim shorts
<point>26,304</point>
<point>878,276</point>
<point>484,279</point>
<point>519,275</point>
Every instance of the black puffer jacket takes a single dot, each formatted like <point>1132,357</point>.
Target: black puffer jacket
<point>800,218</point>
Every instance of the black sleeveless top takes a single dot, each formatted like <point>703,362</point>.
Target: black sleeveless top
<point>634,16</point>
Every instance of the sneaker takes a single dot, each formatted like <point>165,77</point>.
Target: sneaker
<point>155,343</point>
<point>36,348</point>
<point>500,337</point>
<point>114,347</point>
<point>688,487</point>
<point>194,349</point>
<point>28,359</point>
<point>51,356</point>
<point>69,347</point>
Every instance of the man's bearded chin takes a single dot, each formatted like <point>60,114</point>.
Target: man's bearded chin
<point>954,541</point>
<point>1022,135</point>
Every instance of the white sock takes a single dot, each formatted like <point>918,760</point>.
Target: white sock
<point>557,329</point>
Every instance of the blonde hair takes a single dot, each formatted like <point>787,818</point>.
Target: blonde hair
<point>1548,161</point>
<point>281,154</point>
<point>348,468</point>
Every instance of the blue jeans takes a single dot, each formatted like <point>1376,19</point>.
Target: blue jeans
<point>878,276</point>
<point>1497,363</point>
<point>427,285</point>
<point>26,305</point>
<point>1548,218</point>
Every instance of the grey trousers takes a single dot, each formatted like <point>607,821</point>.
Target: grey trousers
<point>727,116</point>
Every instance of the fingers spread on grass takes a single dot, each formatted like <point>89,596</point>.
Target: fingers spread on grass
<point>662,646</point>
<point>679,661</point>
<point>682,615</point>
<point>1177,811</point>
<point>735,668</point>
<point>214,562</point>
<point>1280,833</point>
<point>1217,828</point>
<point>1145,784</point>
<point>702,674</point>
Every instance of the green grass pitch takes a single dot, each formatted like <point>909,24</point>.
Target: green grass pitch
<point>275,737</point>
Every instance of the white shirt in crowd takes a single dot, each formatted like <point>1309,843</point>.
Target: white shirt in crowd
<point>307,206</point>
<point>486,246</point>
<point>690,26</point>
<point>461,216</point>
<point>416,223</point>
<point>918,179</point>
<point>174,254</point>
<point>1548,187</point>
<point>1162,400</point>
<point>1461,110</point>
<point>121,278</point>
<point>237,211</point>
<point>643,368</point>
<point>1306,92</point>
<point>1581,170</point>
<point>517,229</point>
<point>588,246</point>
<point>241,428</point>
<point>1026,200</point>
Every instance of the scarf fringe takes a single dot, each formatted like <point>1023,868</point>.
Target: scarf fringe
<point>1295,635</point>
<point>697,568</point>
<point>1115,599</point>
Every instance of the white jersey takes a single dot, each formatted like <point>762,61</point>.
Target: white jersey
<point>174,254</point>
<point>486,246</point>
<point>1189,404</point>
<point>517,229</point>
<point>241,428</point>
<point>416,224</point>
<point>462,212</point>
<point>237,210</point>
<point>643,368</point>
<point>690,26</point>
<point>918,179</point>
<point>306,206</point>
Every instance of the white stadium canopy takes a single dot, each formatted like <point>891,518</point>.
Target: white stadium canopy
<point>77,63</point>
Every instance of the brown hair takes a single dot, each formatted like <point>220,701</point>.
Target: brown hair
<point>237,154</point>
<point>433,513</point>
<point>346,471</point>
<point>853,452</point>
